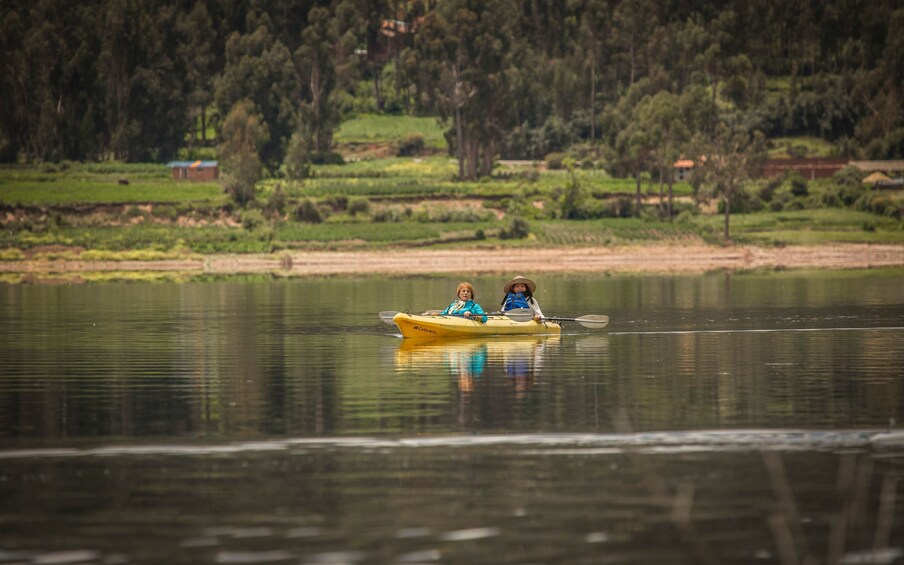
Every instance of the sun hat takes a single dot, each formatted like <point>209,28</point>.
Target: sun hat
<point>531,285</point>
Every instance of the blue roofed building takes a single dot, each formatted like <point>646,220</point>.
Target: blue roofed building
<point>195,170</point>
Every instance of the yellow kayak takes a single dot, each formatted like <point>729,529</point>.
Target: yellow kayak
<point>413,325</point>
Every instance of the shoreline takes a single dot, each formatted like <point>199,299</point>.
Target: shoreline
<point>656,258</point>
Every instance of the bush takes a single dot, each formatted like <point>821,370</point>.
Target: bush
<point>749,203</point>
<point>411,144</point>
<point>327,158</point>
<point>392,214</point>
<point>358,205</point>
<point>309,211</point>
<point>337,202</point>
<point>277,200</point>
<point>767,191</point>
<point>554,161</point>
<point>798,184</point>
<point>517,229</point>
<point>297,165</point>
<point>252,219</point>
<point>849,185</point>
<point>620,207</point>
<point>881,204</point>
<point>796,151</point>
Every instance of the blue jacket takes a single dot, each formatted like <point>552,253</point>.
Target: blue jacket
<point>470,306</point>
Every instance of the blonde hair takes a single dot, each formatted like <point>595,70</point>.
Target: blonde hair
<point>468,286</point>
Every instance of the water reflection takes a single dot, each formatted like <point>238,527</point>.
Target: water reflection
<point>517,359</point>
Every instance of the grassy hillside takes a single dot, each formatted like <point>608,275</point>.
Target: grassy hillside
<point>71,209</point>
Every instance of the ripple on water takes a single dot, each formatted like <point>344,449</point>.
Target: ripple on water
<point>534,444</point>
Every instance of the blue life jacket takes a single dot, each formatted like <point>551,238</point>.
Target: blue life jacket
<point>514,300</point>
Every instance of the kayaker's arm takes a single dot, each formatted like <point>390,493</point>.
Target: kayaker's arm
<point>478,313</point>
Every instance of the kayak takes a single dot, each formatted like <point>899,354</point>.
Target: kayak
<point>413,325</point>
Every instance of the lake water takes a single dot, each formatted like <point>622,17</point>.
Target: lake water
<point>718,419</point>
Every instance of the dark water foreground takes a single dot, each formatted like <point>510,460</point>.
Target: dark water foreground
<point>743,419</point>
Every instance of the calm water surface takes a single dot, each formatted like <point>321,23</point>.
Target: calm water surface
<point>718,419</point>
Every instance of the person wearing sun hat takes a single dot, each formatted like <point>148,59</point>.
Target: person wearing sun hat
<point>519,293</point>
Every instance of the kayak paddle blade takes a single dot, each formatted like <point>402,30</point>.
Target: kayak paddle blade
<point>520,314</point>
<point>593,321</point>
<point>386,316</point>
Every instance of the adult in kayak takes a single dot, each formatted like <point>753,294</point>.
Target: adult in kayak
<point>465,305</point>
<point>519,293</point>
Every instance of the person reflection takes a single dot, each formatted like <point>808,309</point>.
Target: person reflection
<point>522,359</point>
<point>467,364</point>
<point>520,364</point>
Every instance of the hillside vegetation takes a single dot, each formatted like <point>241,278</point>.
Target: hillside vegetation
<point>350,123</point>
<point>73,210</point>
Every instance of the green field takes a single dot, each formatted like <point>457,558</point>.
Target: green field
<point>82,184</point>
<point>827,225</point>
<point>371,128</point>
<point>71,208</point>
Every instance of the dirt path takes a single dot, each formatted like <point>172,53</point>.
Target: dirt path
<point>695,258</point>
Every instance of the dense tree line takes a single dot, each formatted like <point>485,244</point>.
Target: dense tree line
<point>637,81</point>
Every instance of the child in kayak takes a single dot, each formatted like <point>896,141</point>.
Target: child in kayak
<point>519,293</point>
<point>465,305</point>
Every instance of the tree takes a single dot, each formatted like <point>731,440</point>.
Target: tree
<point>631,142</point>
<point>197,55</point>
<point>467,49</point>
<point>260,68</point>
<point>145,102</point>
<point>318,72</point>
<point>733,156</point>
<point>662,119</point>
<point>244,134</point>
<point>632,23</point>
<point>595,16</point>
<point>882,127</point>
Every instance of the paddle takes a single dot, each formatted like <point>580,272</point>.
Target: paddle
<point>592,321</point>
<point>387,315</point>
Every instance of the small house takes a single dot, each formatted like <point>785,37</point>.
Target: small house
<point>873,179</point>
<point>682,169</point>
<point>195,170</point>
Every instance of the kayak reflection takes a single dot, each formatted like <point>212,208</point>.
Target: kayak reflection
<point>517,358</point>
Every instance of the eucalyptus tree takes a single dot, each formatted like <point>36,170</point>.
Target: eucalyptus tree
<point>595,24</point>
<point>197,53</point>
<point>465,50</point>
<point>882,126</point>
<point>260,68</point>
<point>634,146</point>
<point>324,58</point>
<point>633,20</point>
<point>661,118</point>
<point>243,135</point>
<point>33,96</point>
<point>733,155</point>
<point>630,142</point>
<point>373,14</point>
